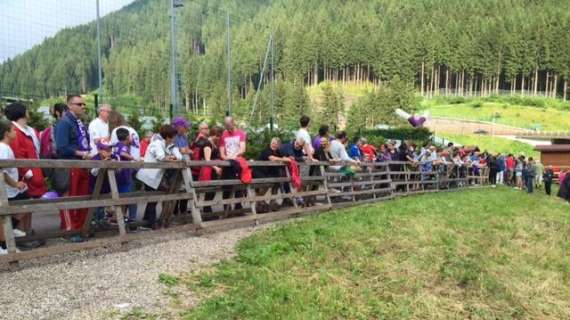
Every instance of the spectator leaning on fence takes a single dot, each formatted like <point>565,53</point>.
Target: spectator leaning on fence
<point>270,153</point>
<point>161,148</point>
<point>26,145</point>
<point>303,133</point>
<point>72,141</point>
<point>116,122</point>
<point>232,147</point>
<point>323,133</point>
<point>206,147</point>
<point>354,151</point>
<point>99,127</point>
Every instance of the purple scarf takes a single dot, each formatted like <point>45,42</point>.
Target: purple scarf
<point>83,138</point>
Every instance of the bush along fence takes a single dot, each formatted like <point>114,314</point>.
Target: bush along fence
<point>224,204</point>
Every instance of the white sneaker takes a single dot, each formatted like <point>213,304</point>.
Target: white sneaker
<point>3,251</point>
<point>19,233</point>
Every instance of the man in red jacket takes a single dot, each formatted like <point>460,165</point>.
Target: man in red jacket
<point>26,145</point>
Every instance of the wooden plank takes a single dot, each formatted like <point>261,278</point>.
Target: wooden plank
<point>43,208</point>
<point>259,198</point>
<point>236,182</point>
<point>362,192</point>
<point>115,196</point>
<point>359,183</point>
<point>358,175</point>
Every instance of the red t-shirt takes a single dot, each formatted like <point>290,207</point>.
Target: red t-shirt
<point>369,151</point>
<point>510,163</point>
<point>231,141</point>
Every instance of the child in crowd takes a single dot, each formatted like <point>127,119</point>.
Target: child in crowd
<point>104,153</point>
<point>15,189</point>
<point>125,176</point>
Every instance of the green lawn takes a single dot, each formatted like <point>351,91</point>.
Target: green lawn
<point>546,118</point>
<point>479,254</point>
<point>493,144</point>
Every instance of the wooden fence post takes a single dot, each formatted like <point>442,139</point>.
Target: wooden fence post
<point>325,184</point>
<point>7,225</point>
<point>291,188</point>
<point>96,193</point>
<point>115,196</point>
<point>196,215</point>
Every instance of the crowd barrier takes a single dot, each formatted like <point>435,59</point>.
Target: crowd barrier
<point>224,204</point>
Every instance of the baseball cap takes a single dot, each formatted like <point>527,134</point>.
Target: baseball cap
<point>181,122</point>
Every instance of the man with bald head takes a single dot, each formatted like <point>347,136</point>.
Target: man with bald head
<point>99,127</point>
<point>233,141</point>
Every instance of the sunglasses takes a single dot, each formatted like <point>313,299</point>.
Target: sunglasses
<point>80,104</point>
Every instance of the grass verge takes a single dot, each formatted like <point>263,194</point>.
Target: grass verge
<point>485,254</point>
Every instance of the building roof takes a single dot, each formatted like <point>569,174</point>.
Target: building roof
<point>553,148</point>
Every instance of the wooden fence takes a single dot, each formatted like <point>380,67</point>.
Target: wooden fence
<point>224,204</point>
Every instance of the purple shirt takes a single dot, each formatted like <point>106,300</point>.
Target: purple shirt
<point>124,176</point>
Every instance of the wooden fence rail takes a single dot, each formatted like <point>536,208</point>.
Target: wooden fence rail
<point>223,203</point>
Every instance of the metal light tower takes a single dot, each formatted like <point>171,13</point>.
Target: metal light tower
<point>229,57</point>
<point>173,85</point>
<point>99,72</point>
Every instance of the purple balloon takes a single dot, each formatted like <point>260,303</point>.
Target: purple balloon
<point>416,121</point>
<point>50,195</point>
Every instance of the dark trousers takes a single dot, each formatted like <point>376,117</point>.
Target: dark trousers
<point>228,173</point>
<point>150,210</point>
<point>548,187</point>
<point>529,184</point>
<point>493,176</point>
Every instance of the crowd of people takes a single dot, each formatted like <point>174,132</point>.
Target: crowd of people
<point>110,138</point>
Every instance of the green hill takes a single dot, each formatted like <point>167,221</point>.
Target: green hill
<point>530,113</point>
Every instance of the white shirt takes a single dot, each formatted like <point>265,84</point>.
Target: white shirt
<point>98,129</point>
<point>338,151</point>
<point>305,136</point>
<point>6,153</point>
<point>135,141</point>
<point>157,151</point>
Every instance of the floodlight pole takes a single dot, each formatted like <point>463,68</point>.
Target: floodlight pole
<point>229,57</point>
<point>99,71</point>
<point>173,86</point>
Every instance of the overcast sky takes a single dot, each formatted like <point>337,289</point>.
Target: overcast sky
<point>25,23</point>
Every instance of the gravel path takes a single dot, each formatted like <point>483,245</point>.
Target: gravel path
<point>95,287</point>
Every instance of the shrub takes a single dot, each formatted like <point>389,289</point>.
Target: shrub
<point>476,104</point>
<point>415,134</point>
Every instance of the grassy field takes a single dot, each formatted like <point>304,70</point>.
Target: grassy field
<point>544,114</point>
<point>480,254</point>
<point>493,144</point>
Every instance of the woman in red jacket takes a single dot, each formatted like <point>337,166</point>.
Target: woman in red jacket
<point>26,145</point>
